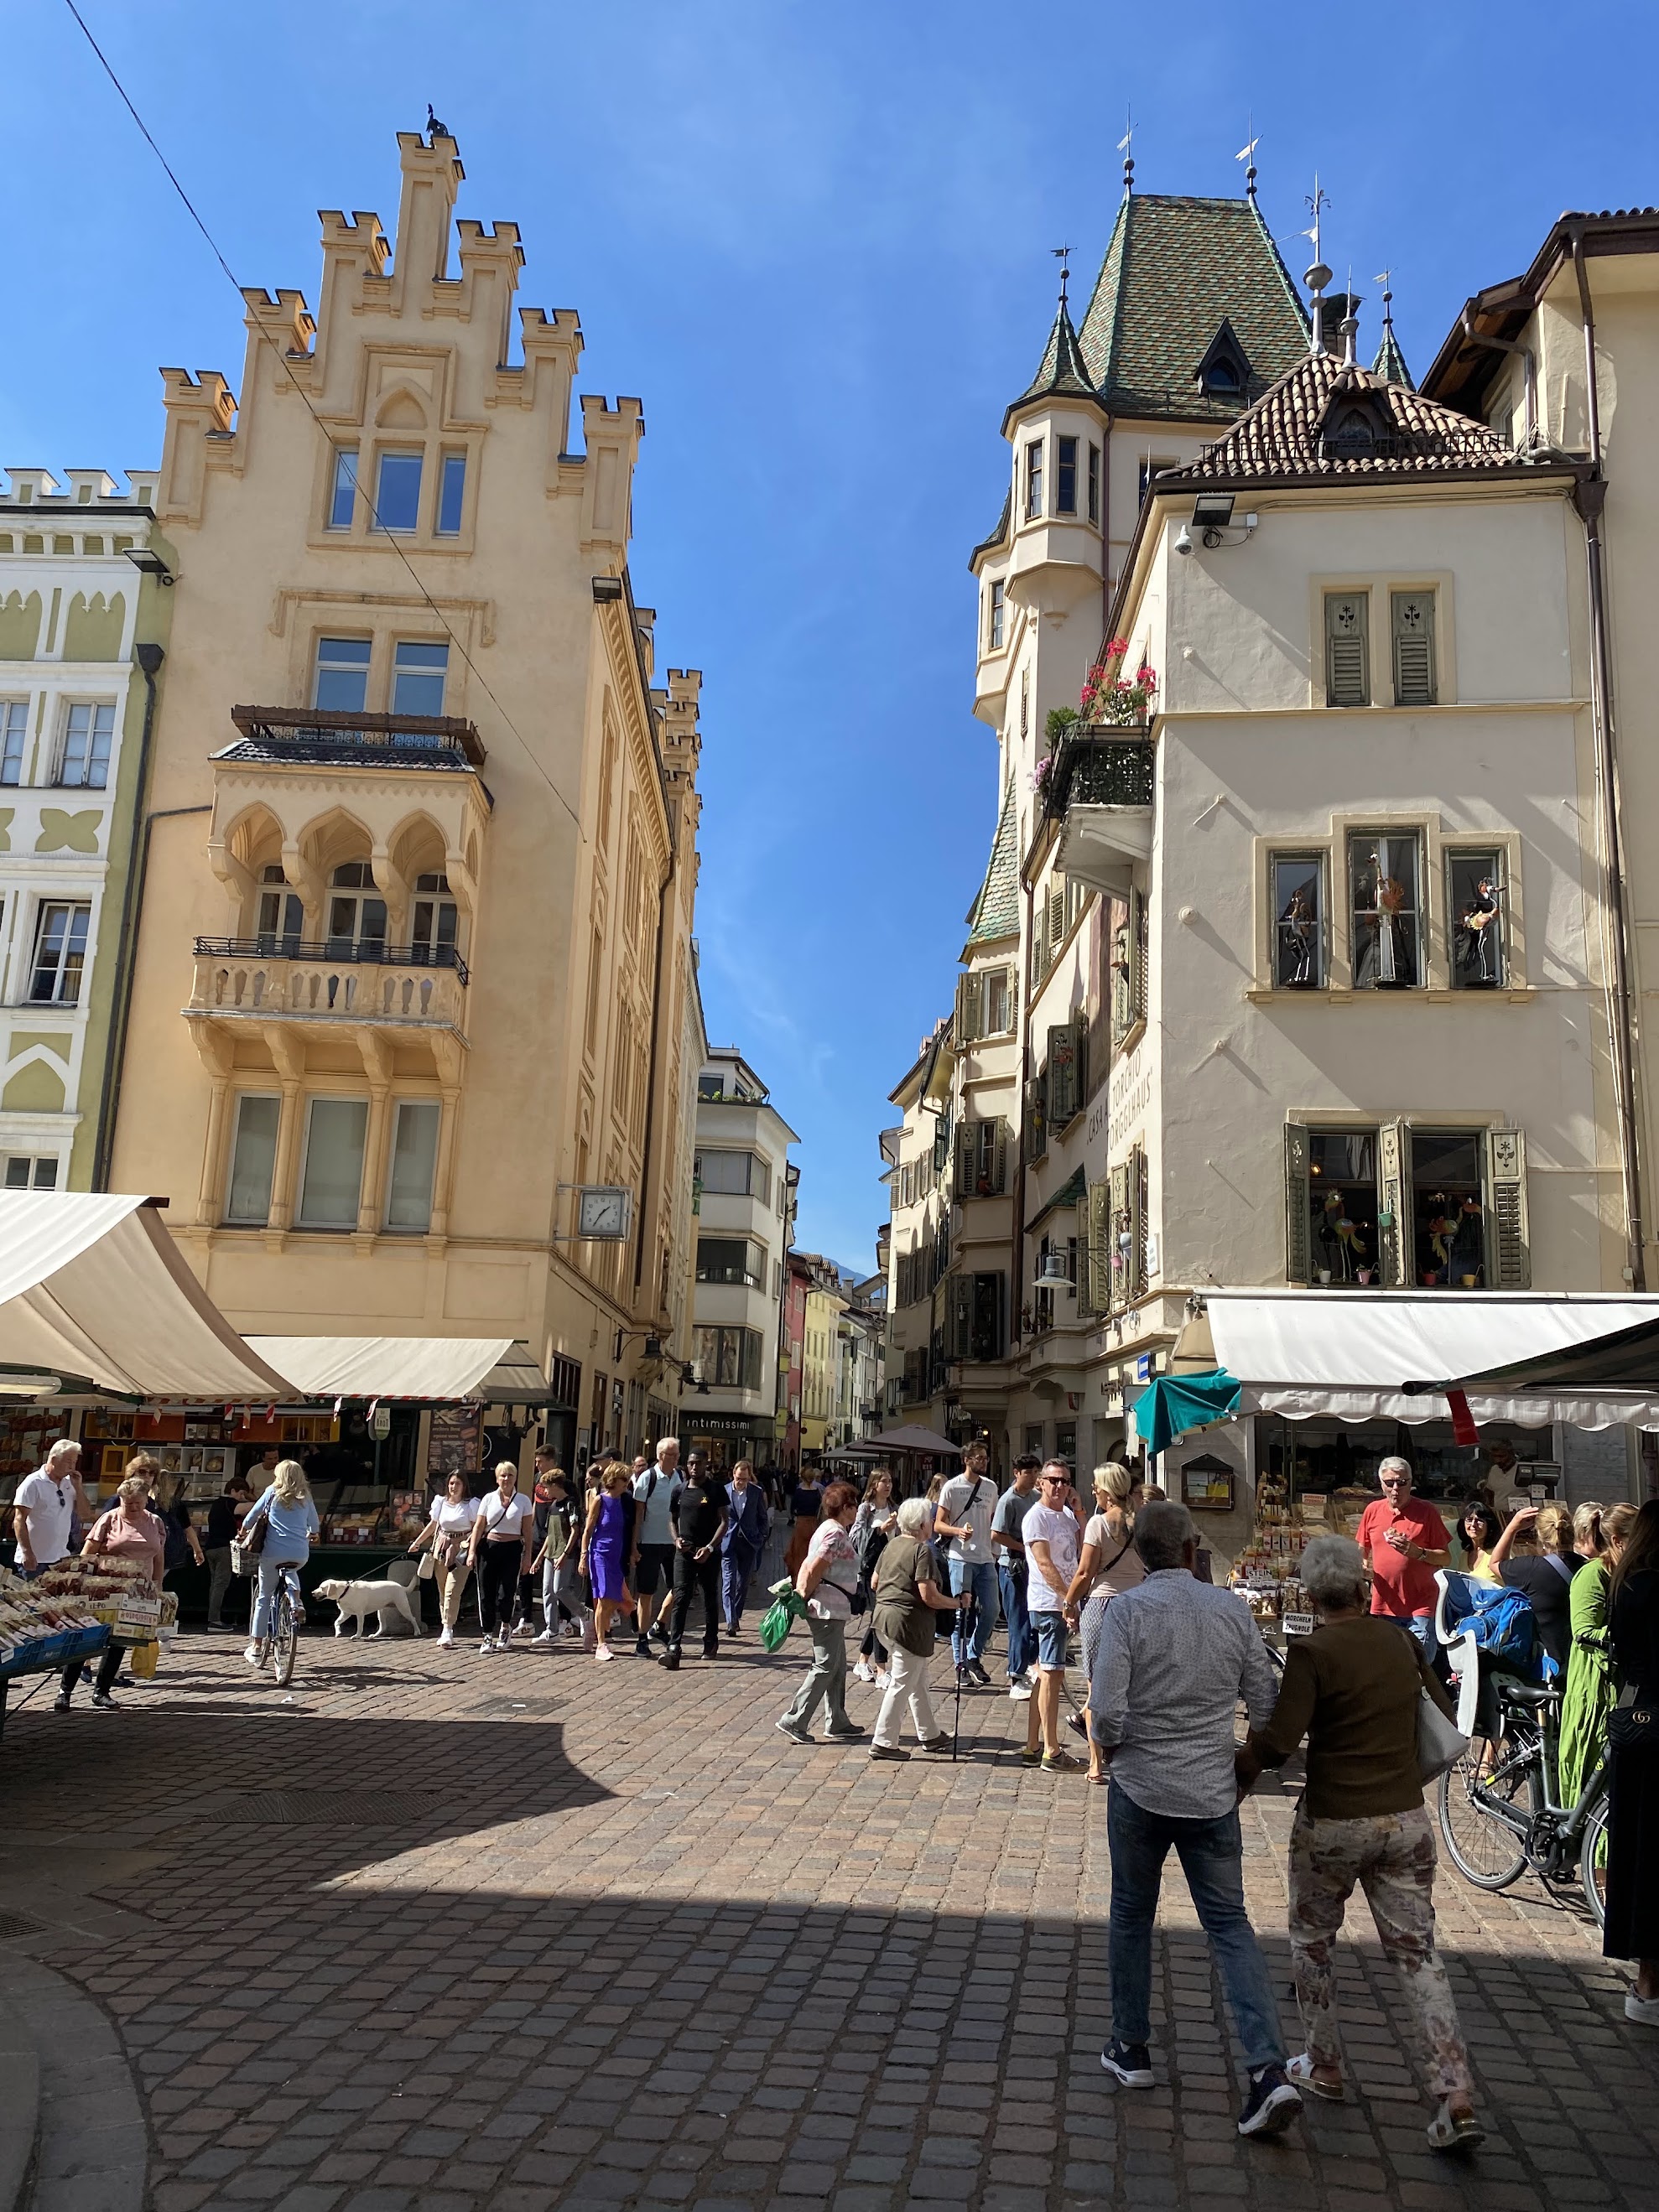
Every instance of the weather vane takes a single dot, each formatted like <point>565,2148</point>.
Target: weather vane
<point>1063,254</point>
<point>1125,146</point>
<point>1247,154</point>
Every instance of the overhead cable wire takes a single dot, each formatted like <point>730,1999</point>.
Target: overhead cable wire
<point>338,450</point>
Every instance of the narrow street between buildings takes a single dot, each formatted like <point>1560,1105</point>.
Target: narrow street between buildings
<point>430,1933</point>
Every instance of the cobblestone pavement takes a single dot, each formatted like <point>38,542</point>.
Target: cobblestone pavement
<point>438,1933</point>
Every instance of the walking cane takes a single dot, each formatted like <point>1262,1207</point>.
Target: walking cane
<point>965,1624</point>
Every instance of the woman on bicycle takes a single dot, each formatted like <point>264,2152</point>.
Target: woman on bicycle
<point>1632,1921</point>
<point>291,1525</point>
<point>1352,1688</point>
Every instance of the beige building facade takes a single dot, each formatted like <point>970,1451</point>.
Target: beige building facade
<point>415,961</point>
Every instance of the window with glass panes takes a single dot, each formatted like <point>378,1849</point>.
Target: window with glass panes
<point>252,1159</point>
<point>727,1358</point>
<point>89,727</point>
<point>418,670</point>
<point>734,1175</point>
<point>356,912</point>
<point>60,952</point>
<point>451,491</point>
<point>1033,479</point>
<point>281,912</point>
<point>1385,892</point>
<point>1448,1202</point>
<point>1094,484</point>
<point>331,1178</point>
<point>31,1171</point>
<point>731,1260</point>
<point>1342,1205</point>
<point>398,492</point>
<point>1065,476</point>
<point>343,488</point>
<point>998,615</point>
<point>413,1166</point>
<point>1298,909</point>
<point>13,735</point>
<point>1474,910</point>
<point>435,921</point>
<point>342,684</point>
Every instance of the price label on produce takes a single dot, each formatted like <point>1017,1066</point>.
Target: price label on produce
<point>1299,1623</point>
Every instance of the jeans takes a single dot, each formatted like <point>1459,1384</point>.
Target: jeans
<point>737,1569</point>
<point>826,1678</point>
<point>978,1576</point>
<point>907,1676</point>
<point>219,1580</point>
<point>1022,1638</point>
<point>692,1574</point>
<point>1211,1855</point>
<point>265,1603</point>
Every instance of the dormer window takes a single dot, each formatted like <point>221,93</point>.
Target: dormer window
<point>1358,427</point>
<point>1225,371</point>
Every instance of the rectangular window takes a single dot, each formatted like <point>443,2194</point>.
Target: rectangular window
<point>1299,898</point>
<point>731,1260</point>
<point>1384,878</point>
<point>1348,649</point>
<point>452,491</point>
<point>999,615</point>
<point>331,1180</point>
<point>997,1019</point>
<point>418,670</point>
<point>1149,468</point>
<point>253,1160</point>
<point>343,491</point>
<point>281,915</point>
<point>1411,623</point>
<point>1474,902</point>
<point>1065,476</point>
<point>24,1173</point>
<point>1094,484</point>
<point>1034,480</point>
<point>13,734</point>
<point>435,922</point>
<point>414,1163</point>
<point>60,953</point>
<point>342,675</point>
<point>727,1358</point>
<point>1342,1205</point>
<point>398,492</point>
<point>734,1175</point>
<point>88,730</point>
<point>1448,1219</point>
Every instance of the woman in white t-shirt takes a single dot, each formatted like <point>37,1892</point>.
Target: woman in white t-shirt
<point>1109,1563</point>
<point>505,1529</point>
<point>828,1580</point>
<point>446,1535</point>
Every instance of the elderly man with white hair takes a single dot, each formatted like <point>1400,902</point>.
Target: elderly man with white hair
<point>43,1510</point>
<point>1176,1656</point>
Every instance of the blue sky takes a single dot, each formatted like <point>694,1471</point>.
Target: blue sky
<point>815,242</point>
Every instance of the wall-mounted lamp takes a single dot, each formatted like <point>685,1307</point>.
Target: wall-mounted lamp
<point>148,563</point>
<point>1213,513</point>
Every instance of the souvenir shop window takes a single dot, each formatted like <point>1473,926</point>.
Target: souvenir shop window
<point>1474,904</point>
<point>1449,1221</point>
<point>1298,904</point>
<point>1342,1207</point>
<point>1384,880</point>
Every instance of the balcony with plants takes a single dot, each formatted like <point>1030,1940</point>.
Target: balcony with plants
<point>1097,782</point>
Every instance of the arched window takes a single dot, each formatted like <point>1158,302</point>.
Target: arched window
<point>356,913</point>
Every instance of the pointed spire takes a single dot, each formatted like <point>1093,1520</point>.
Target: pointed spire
<point>1060,371</point>
<point>1390,361</point>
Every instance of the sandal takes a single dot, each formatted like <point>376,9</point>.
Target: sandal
<point>1301,2071</point>
<point>1450,2130</point>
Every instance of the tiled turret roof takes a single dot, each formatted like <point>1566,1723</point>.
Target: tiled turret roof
<point>1060,373</point>
<point>1390,363</point>
<point>995,912</point>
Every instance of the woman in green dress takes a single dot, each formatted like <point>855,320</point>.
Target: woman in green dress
<point>1590,1671</point>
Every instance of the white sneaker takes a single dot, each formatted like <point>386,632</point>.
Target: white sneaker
<point>525,1628</point>
<point>445,1642</point>
<point>882,1681</point>
<point>862,1673</point>
<point>1644,2011</point>
<point>603,1651</point>
<point>254,1655</point>
<point>489,1646</point>
<point>547,1636</point>
<point>1020,1693</point>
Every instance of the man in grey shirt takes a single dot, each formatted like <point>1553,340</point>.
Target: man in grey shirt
<point>1176,1656</point>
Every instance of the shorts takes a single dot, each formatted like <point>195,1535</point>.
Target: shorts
<point>1051,1641</point>
<point>654,1559</point>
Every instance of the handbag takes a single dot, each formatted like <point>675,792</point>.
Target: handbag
<point>427,1568</point>
<point>246,1546</point>
<point>1633,1723</point>
<point>1440,1742</point>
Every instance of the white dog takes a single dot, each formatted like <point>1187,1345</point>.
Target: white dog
<point>356,1601</point>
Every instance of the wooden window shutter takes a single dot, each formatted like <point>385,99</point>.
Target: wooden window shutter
<point>1000,1175</point>
<point>968,1009</point>
<point>1082,1272</point>
<point>1136,1271</point>
<point>1037,1122</point>
<point>1298,1212</point>
<point>1393,1220</point>
<point>1063,1074</point>
<point>1348,649</point>
<point>1139,954</point>
<point>1100,1253</point>
<point>1080,1058</point>
<point>1118,1233</point>
<point>1509,1250</point>
<point>1056,920</point>
<point>1411,619</point>
<point>962,1317</point>
<point>964,1177</point>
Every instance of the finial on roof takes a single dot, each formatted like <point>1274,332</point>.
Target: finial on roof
<point>1318,276</point>
<point>1390,363</point>
<point>1125,146</point>
<point>1063,254</point>
<point>1247,154</point>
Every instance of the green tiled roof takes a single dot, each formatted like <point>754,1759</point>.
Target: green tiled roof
<point>999,534</point>
<point>1175,267</point>
<point>995,912</point>
<point>1390,363</point>
<point>1061,370</point>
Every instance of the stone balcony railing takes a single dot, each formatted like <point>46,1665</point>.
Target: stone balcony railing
<point>402,985</point>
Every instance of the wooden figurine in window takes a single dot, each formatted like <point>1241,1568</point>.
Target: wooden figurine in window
<point>1296,937</point>
<point>1390,898</point>
<point>1468,1258</point>
<point>1338,1238</point>
<point>1440,1227</point>
<point>1477,934</point>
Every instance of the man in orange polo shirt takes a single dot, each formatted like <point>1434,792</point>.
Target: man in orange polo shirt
<point>1403,1540</point>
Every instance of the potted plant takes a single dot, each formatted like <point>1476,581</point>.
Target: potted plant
<point>1109,695</point>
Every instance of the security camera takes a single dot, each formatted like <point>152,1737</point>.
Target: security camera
<point>1183,539</point>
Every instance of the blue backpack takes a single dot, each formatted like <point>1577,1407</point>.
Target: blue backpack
<point>1503,1625</point>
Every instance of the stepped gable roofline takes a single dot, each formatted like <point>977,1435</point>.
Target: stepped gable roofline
<point>994,913</point>
<point>1329,419</point>
<point>1175,267</point>
<point>998,537</point>
<point>1060,373</point>
<point>1461,372</point>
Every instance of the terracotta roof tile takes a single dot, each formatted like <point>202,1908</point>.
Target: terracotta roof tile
<point>1327,418</point>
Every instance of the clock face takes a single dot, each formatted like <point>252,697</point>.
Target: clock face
<point>604,1213</point>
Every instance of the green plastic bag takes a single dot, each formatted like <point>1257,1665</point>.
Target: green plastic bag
<point>781,1614</point>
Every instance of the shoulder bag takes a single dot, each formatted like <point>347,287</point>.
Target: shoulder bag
<point>1633,1723</point>
<point>1440,1742</point>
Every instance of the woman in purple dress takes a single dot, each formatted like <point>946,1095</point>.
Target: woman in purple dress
<point>605,1541</point>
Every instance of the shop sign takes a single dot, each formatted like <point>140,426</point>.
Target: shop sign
<point>456,1438</point>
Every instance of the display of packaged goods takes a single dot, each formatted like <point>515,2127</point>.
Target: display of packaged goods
<point>351,1528</point>
<point>39,1628</point>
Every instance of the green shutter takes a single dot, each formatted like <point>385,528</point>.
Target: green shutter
<point>1000,1173</point>
<point>1393,1221</point>
<point>1411,622</point>
<point>968,1022</point>
<point>1100,1256</point>
<point>1509,1261</point>
<point>1348,649</point>
<point>1120,1230</point>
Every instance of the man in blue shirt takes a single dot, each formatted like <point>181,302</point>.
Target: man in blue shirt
<point>653,1558</point>
<point>747,1527</point>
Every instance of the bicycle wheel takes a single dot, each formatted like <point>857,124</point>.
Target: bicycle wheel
<point>284,1639</point>
<point>1484,1848</point>
<point>1593,1864</point>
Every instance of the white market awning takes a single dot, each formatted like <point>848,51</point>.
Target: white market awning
<point>1303,1353</point>
<point>92,1286</point>
<point>444,1368</point>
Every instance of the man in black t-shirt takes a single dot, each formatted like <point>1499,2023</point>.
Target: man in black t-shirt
<point>699,1516</point>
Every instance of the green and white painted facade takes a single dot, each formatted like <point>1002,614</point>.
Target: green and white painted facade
<point>73,611</point>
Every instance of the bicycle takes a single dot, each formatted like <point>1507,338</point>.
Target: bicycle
<point>287,1612</point>
<point>1503,1820</point>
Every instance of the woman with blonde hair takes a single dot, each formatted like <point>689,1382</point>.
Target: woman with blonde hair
<point>1589,1699</point>
<point>130,1531</point>
<point>1108,1562</point>
<point>505,1527</point>
<point>288,1514</point>
<point>1545,1578</point>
